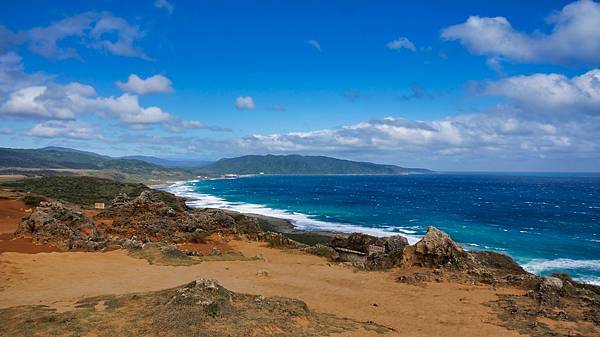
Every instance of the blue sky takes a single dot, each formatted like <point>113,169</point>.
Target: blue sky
<point>449,86</point>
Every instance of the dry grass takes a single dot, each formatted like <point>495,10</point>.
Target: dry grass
<point>191,310</point>
<point>165,255</point>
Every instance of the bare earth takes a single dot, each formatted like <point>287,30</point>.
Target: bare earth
<point>439,309</point>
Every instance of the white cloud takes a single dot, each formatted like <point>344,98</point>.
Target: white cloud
<point>126,36</point>
<point>164,4</point>
<point>127,109</point>
<point>401,43</point>
<point>470,137</point>
<point>315,44</point>
<point>151,85</point>
<point>13,76</point>
<point>54,101</point>
<point>48,101</point>
<point>550,93</point>
<point>244,103</point>
<point>63,129</point>
<point>574,37</point>
<point>90,29</point>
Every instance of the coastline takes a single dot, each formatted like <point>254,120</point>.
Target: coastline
<point>287,222</point>
<point>306,229</point>
<point>441,302</point>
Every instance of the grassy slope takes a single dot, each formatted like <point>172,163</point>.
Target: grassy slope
<point>52,158</point>
<point>84,191</point>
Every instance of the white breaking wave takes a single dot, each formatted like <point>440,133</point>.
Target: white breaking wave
<point>299,220</point>
<point>539,266</point>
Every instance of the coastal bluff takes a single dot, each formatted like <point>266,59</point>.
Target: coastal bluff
<point>168,233</point>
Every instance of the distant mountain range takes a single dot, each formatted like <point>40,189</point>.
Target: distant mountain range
<point>65,158</point>
<point>296,164</point>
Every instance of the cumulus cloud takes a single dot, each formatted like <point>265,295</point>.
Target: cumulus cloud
<point>401,43</point>
<point>244,103</point>
<point>315,44</point>
<point>64,102</point>
<point>126,35</point>
<point>13,75</point>
<point>573,38</point>
<point>127,109</point>
<point>48,101</point>
<point>468,137</point>
<point>151,85</point>
<point>164,4</point>
<point>550,93</point>
<point>63,129</point>
<point>102,31</point>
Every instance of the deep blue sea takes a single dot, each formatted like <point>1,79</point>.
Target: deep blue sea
<point>546,222</point>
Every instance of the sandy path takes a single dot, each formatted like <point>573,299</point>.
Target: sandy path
<point>59,279</point>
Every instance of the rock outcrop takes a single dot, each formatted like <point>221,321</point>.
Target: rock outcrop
<point>436,249</point>
<point>149,219</point>
<point>368,251</point>
<point>63,226</point>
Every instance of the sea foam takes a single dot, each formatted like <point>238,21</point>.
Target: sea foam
<point>298,220</point>
<point>541,266</point>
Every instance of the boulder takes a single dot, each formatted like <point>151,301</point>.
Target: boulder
<point>357,242</point>
<point>436,249</point>
<point>395,244</point>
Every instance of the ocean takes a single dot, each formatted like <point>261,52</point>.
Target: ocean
<point>547,222</point>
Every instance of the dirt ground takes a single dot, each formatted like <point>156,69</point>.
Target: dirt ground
<point>40,275</point>
<point>11,212</point>
<point>438,309</point>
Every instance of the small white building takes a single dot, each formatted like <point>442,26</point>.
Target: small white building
<point>99,205</point>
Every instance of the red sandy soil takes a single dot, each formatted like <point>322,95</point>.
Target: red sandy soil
<point>437,309</point>
<point>205,248</point>
<point>11,213</point>
<point>91,213</point>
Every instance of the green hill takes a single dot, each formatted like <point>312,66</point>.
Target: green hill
<point>296,164</point>
<point>65,158</point>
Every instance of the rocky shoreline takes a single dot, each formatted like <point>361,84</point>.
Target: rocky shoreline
<point>149,227</point>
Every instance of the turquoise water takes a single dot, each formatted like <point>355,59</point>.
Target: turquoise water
<point>548,223</point>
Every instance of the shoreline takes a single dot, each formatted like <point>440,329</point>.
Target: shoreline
<point>309,236</point>
<point>287,222</point>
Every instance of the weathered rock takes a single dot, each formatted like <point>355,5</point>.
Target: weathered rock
<point>395,244</point>
<point>550,290</point>
<point>357,241</point>
<point>434,250</point>
<point>322,250</point>
<point>150,219</point>
<point>61,225</point>
<point>278,240</point>
<point>368,251</point>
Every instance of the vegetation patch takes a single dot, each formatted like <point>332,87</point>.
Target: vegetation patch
<point>85,191</point>
<point>201,308</point>
<point>167,255</point>
<point>163,255</point>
